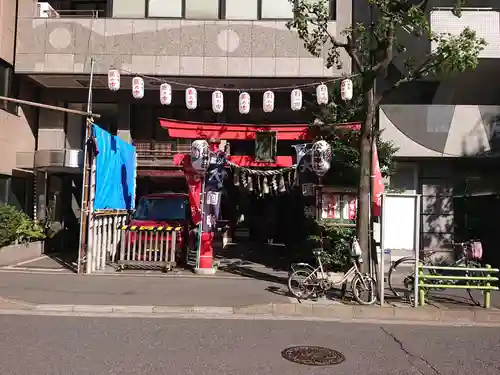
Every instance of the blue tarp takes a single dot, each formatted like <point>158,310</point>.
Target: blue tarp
<point>115,172</point>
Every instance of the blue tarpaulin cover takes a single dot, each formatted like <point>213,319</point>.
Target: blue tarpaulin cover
<point>115,172</point>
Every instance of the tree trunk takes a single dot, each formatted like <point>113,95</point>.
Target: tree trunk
<point>364,201</point>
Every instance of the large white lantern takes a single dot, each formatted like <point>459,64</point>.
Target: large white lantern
<point>296,100</point>
<point>114,80</point>
<point>321,157</point>
<point>322,94</point>
<point>268,101</point>
<point>217,101</point>
<point>138,87</point>
<point>191,98</point>
<point>165,94</point>
<point>346,88</point>
<point>244,103</point>
<point>200,153</point>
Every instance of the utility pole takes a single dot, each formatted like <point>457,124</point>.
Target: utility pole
<point>86,219</point>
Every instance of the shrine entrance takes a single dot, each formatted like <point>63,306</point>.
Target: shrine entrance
<point>260,200</point>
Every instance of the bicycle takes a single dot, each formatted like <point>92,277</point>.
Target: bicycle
<point>470,253</point>
<point>310,279</point>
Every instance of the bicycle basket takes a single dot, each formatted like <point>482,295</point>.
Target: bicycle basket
<point>474,250</point>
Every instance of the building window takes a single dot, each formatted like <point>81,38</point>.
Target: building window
<point>276,9</point>
<point>212,9</point>
<point>129,8</point>
<point>241,9</point>
<point>283,9</point>
<point>8,87</point>
<point>165,8</point>
<point>14,192</point>
<point>202,9</point>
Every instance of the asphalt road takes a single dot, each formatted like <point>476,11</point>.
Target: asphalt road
<point>94,346</point>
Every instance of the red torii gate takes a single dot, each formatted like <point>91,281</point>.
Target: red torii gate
<point>218,131</point>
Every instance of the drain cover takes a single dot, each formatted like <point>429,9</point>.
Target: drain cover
<point>313,355</point>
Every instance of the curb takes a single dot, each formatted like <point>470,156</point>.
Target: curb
<point>490,317</point>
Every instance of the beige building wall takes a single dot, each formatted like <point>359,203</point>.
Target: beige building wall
<point>7,30</point>
<point>18,129</point>
<point>17,132</point>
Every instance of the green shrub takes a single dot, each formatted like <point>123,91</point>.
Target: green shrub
<point>17,227</point>
<point>336,255</point>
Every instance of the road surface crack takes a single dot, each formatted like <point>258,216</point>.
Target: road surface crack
<point>409,354</point>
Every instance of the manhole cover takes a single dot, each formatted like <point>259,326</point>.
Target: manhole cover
<point>313,355</point>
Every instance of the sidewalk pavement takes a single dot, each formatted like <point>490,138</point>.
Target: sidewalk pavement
<point>244,298</point>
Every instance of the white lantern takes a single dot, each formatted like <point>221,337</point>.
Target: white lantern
<point>200,153</point>
<point>191,98</point>
<point>321,155</point>
<point>138,87</point>
<point>217,101</point>
<point>268,101</point>
<point>244,103</point>
<point>322,94</point>
<point>346,88</point>
<point>296,100</point>
<point>165,94</point>
<point>114,80</point>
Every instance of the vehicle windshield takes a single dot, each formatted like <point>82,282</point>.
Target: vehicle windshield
<point>161,208</point>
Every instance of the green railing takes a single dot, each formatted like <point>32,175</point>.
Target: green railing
<point>482,283</point>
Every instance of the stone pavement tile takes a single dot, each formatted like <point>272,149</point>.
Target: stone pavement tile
<point>284,309</point>
<point>212,310</point>
<point>93,308</point>
<point>172,309</point>
<point>58,308</point>
<point>417,314</point>
<point>465,315</point>
<point>373,312</point>
<point>334,310</point>
<point>134,309</point>
<point>487,316</point>
<point>254,309</point>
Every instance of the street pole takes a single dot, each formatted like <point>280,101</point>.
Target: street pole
<point>86,214</point>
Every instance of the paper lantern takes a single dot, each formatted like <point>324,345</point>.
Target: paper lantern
<point>322,94</point>
<point>296,100</point>
<point>138,87</point>
<point>321,157</point>
<point>268,101</point>
<point>200,154</point>
<point>191,98</point>
<point>217,101</point>
<point>346,88</point>
<point>244,103</point>
<point>165,94</point>
<point>114,80</point>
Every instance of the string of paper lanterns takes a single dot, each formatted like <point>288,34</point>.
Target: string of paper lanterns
<point>244,100</point>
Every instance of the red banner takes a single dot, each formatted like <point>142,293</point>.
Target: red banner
<point>194,182</point>
<point>377,184</point>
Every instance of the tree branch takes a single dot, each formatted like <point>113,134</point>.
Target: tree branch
<point>419,72</point>
<point>382,65</point>
<point>347,46</point>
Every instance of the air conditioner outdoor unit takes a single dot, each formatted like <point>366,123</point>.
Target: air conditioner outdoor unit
<point>45,10</point>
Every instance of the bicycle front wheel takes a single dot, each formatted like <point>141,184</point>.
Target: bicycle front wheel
<point>401,276</point>
<point>302,284</point>
<point>364,289</point>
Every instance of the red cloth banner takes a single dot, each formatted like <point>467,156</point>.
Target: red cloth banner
<point>377,184</point>
<point>194,182</point>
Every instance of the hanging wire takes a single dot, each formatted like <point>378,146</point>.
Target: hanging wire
<point>203,87</point>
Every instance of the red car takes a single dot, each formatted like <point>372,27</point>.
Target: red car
<point>167,210</point>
